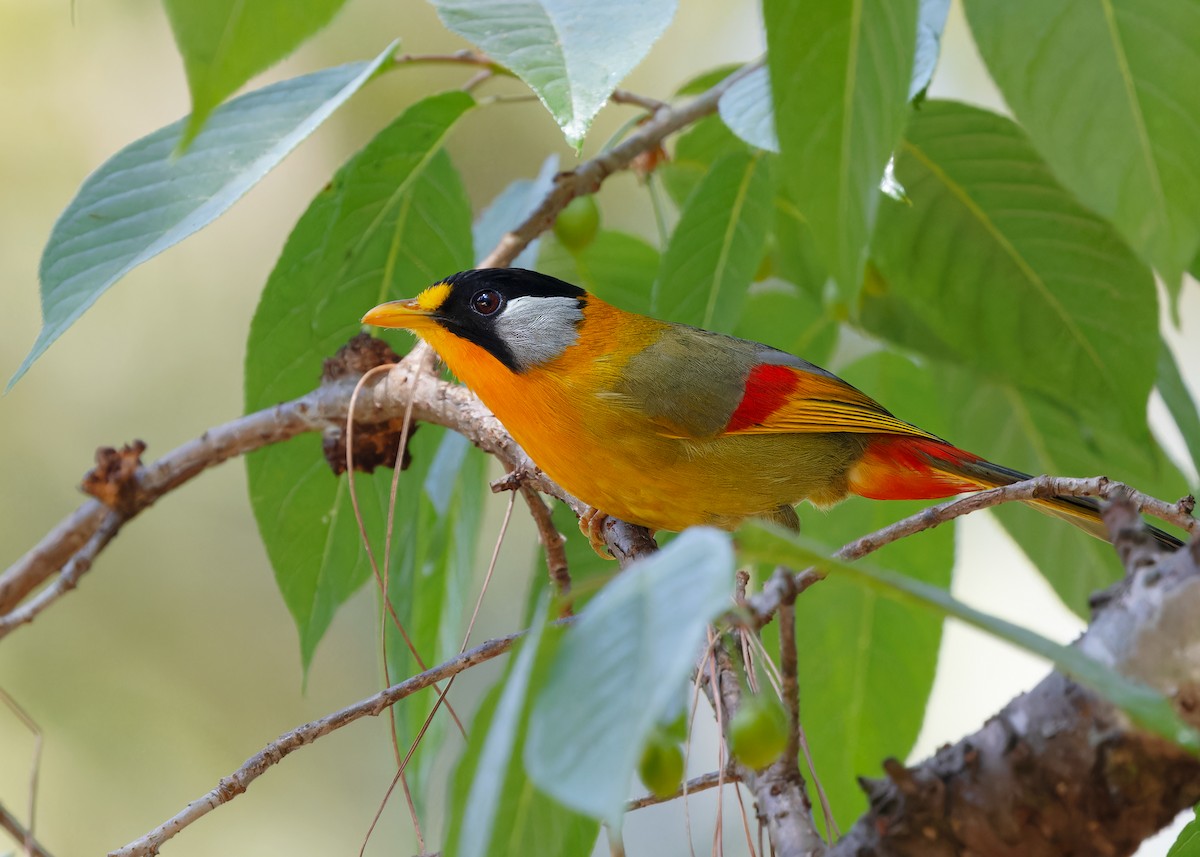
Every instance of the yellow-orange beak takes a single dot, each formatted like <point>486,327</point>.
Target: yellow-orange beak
<point>407,314</point>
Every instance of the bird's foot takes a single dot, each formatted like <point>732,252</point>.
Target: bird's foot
<point>591,524</point>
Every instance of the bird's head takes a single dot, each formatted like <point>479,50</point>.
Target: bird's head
<point>522,318</point>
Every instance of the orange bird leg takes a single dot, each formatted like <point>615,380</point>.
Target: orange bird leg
<point>896,467</point>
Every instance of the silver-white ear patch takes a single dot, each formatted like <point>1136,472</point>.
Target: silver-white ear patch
<point>536,330</point>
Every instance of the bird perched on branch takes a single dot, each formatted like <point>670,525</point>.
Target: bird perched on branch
<point>668,426</point>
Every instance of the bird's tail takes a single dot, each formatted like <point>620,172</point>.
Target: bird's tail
<point>900,467</point>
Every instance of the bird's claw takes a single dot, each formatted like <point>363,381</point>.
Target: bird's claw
<point>591,524</point>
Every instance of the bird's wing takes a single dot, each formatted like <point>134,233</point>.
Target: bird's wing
<point>692,384</point>
<point>785,394</point>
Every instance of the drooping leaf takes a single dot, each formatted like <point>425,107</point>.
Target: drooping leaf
<point>763,542</point>
<point>394,219</point>
<point>571,54</point>
<point>795,250</point>
<point>494,807</point>
<point>619,670</point>
<point>509,209</point>
<point>143,200</point>
<point>1109,94</point>
<point>995,264</point>
<point>224,43</point>
<point>616,267</point>
<point>840,74</point>
<point>856,647</point>
<point>931,20</point>
<point>1179,401</point>
<point>716,246</point>
<point>746,109</point>
<point>428,583</point>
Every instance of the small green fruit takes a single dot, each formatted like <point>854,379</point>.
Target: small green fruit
<point>661,765</point>
<point>578,223</point>
<point>758,733</point>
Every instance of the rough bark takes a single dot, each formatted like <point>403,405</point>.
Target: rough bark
<point>1060,771</point>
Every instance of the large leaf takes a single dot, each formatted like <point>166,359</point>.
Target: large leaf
<point>763,542</point>
<point>619,671</point>
<point>438,524</point>
<point>1030,432</point>
<point>855,647</point>
<point>144,200</point>
<point>393,219</point>
<point>1109,93</point>
<point>494,808</point>
<point>997,266</point>
<point>840,75</point>
<point>716,246</point>
<point>616,267</point>
<point>224,43</point>
<point>571,53</point>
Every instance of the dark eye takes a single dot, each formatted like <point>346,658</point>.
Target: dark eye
<point>486,301</point>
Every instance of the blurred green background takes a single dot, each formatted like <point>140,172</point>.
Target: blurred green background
<point>176,660</point>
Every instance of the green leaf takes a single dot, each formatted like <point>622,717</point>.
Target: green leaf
<point>438,524</point>
<point>616,267</point>
<point>783,316</point>
<point>840,74</point>
<point>587,568</point>
<point>716,246</point>
<point>1030,432</point>
<point>746,109</point>
<point>931,21</point>
<point>998,266</point>
<point>224,43</point>
<point>1109,93</point>
<point>509,209</point>
<point>393,219</point>
<point>619,671</point>
<point>1187,844</point>
<point>762,542</point>
<point>696,150</point>
<point>144,200</point>
<point>1179,401</point>
<point>572,55</point>
<point>856,648</point>
<point>795,251</point>
<point>494,807</point>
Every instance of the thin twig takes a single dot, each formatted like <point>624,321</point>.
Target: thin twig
<point>233,785</point>
<point>704,782</point>
<point>765,604</point>
<point>18,832</point>
<point>35,765</point>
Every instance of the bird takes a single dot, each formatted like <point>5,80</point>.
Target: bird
<point>669,426</point>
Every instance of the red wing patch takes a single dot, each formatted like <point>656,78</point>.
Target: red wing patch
<point>768,387</point>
